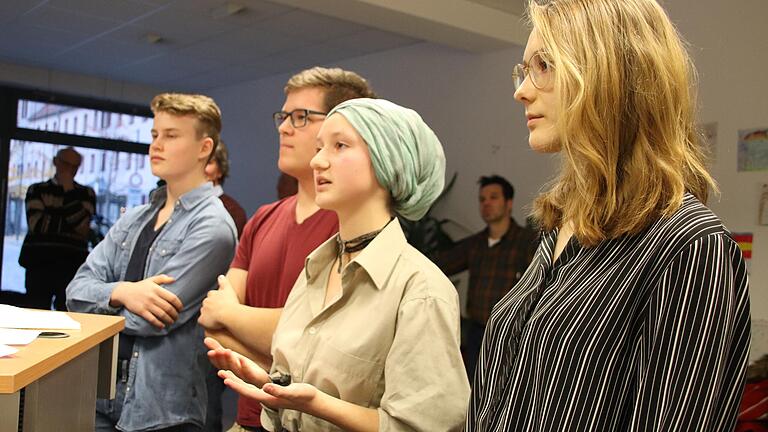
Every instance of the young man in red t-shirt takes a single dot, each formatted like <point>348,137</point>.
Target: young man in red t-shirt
<point>243,312</point>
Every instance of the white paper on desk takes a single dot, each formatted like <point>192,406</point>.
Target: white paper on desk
<point>5,350</point>
<point>14,317</point>
<point>17,337</point>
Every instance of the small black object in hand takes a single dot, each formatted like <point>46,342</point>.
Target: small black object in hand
<point>280,379</point>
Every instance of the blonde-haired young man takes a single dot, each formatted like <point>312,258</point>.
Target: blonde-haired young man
<point>154,267</point>
<point>279,236</point>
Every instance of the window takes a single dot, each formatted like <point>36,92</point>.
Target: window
<point>102,140</point>
<point>114,189</point>
<point>43,112</point>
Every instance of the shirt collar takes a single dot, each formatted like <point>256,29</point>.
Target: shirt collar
<point>187,201</point>
<point>513,227</point>
<point>377,259</point>
<point>218,190</point>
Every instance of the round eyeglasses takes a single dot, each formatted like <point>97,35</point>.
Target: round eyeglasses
<point>538,69</point>
<point>299,117</point>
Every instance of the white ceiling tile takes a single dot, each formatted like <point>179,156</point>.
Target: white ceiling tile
<point>107,38</point>
<point>11,10</point>
<point>312,27</point>
<point>223,76</point>
<point>111,53</point>
<point>250,43</point>
<point>371,41</point>
<point>120,11</point>
<point>19,36</point>
<point>165,68</point>
<point>49,17</point>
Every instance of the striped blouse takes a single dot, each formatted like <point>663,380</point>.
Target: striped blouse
<point>642,333</point>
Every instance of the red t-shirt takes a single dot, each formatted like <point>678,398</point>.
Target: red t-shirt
<point>272,250</point>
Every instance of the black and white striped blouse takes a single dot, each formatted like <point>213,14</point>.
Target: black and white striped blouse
<point>643,333</point>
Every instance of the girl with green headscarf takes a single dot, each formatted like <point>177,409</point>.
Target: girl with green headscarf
<point>369,336</point>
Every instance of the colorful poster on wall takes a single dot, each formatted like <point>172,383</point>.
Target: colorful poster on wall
<point>745,243</point>
<point>753,149</point>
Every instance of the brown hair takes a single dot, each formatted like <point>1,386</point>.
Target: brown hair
<point>221,157</point>
<point>339,84</point>
<point>627,117</point>
<point>203,108</point>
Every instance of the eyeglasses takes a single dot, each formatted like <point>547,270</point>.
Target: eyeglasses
<point>538,69</point>
<point>299,117</point>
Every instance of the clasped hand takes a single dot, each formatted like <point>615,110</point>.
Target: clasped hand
<point>149,300</point>
<point>216,304</point>
<point>248,379</point>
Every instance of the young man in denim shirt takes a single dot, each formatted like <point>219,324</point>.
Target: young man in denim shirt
<point>154,267</point>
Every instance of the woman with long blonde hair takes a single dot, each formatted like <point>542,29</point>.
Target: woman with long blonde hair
<point>634,314</point>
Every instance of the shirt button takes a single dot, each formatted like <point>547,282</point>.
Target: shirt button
<point>162,252</point>
<point>170,220</point>
<point>127,389</point>
<point>135,353</point>
<point>312,330</point>
<point>123,244</point>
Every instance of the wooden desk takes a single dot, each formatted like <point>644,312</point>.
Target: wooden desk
<point>52,384</point>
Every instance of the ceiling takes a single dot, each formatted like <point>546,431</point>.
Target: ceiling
<point>203,44</point>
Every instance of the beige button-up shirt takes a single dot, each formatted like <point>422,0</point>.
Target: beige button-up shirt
<point>390,341</point>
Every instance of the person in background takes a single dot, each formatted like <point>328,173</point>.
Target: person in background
<point>154,268</point>
<point>496,258</point>
<point>59,213</point>
<point>634,314</point>
<point>217,171</point>
<point>242,314</point>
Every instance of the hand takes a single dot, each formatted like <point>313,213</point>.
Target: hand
<point>296,396</point>
<point>217,304</point>
<point>149,300</point>
<point>223,358</point>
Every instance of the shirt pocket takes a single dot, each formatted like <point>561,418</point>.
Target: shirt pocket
<point>123,242</point>
<point>350,378</point>
<point>163,250</point>
<point>120,237</point>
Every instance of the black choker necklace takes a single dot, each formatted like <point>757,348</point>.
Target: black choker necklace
<point>356,244</point>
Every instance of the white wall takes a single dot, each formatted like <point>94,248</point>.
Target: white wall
<point>729,42</point>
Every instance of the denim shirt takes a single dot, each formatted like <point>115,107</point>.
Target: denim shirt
<point>166,379</point>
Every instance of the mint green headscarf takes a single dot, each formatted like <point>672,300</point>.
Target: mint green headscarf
<point>407,156</point>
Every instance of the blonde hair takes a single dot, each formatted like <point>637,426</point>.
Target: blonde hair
<point>339,84</point>
<point>203,108</point>
<point>627,117</point>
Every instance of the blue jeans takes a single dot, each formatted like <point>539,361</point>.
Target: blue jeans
<point>108,413</point>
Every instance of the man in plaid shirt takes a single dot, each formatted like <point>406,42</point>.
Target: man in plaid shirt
<point>496,258</point>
